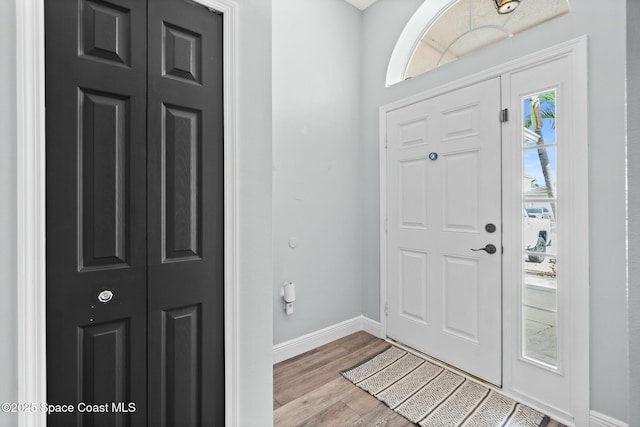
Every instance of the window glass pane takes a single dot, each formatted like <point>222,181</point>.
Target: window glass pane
<point>539,229</point>
<point>541,335</point>
<point>540,291</point>
<point>540,173</point>
<point>540,127</point>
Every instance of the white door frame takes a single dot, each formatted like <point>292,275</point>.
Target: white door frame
<point>577,50</point>
<point>31,268</point>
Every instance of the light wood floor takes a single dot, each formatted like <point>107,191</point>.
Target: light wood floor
<point>308,390</point>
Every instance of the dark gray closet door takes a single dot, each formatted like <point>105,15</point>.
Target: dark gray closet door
<point>135,262</point>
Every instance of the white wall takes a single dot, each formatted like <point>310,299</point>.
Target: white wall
<point>633,179</point>
<point>8,379</point>
<point>604,23</point>
<point>256,252</point>
<point>316,163</point>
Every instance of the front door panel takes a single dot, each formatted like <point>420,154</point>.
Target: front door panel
<point>443,163</point>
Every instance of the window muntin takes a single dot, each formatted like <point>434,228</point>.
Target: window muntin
<point>465,26</point>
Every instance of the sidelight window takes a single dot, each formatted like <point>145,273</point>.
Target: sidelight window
<point>540,215</point>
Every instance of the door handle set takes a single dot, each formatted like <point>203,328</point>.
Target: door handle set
<point>490,249</point>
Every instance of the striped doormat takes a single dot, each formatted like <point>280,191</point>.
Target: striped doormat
<point>430,395</point>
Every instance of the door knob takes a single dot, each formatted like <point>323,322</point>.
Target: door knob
<point>490,249</point>
<point>105,296</point>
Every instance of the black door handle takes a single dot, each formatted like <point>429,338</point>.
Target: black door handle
<point>490,249</point>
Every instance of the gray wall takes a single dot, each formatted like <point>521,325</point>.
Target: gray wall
<point>8,379</point>
<point>316,163</point>
<point>604,23</point>
<point>633,179</point>
<point>255,253</point>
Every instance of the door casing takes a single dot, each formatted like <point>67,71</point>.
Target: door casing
<point>576,50</point>
<point>31,284</point>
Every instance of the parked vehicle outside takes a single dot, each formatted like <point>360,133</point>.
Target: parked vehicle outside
<point>537,232</point>
<point>538,213</point>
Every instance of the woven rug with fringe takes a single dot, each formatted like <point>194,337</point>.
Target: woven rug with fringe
<point>429,395</point>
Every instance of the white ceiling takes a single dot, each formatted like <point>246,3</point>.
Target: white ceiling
<point>361,4</point>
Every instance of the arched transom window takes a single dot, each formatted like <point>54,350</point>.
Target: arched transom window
<point>464,26</point>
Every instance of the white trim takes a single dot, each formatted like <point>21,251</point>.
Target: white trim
<point>31,287</point>
<point>383,220</point>
<point>229,9</point>
<point>310,341</point>
<point>31,208</point>
<point>581,314</point>
<point>577,50</point>
<point>372,327</point>
<point>411,35</point>
<point>601,420</point>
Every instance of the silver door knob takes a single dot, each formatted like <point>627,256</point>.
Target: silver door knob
<point>105,296</point>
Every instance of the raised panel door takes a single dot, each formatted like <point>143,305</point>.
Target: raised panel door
<point>443,186</point>
<point>135,224</point>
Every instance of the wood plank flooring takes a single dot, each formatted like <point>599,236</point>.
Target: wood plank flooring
<point>308,389</point>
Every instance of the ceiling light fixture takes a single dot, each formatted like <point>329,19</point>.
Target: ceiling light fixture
<point>506,6</point>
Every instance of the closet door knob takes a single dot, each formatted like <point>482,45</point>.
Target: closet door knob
<point>105,296</point>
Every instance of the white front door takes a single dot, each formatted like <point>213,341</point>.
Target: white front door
<point>443,204</point>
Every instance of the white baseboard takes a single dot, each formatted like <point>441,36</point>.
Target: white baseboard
<point>296,346</point>
<point>372,327</point>
<point>602,420</point>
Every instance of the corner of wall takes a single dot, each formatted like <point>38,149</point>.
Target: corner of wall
<point>633,204</point>
<point>8,260</point>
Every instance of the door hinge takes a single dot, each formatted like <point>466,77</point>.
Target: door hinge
<point>386,225</point>
<point>386,142</point>
<point>504,115</point>
<point>386,308</point>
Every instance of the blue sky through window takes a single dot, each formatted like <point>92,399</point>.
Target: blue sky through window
<point>532,168</point>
